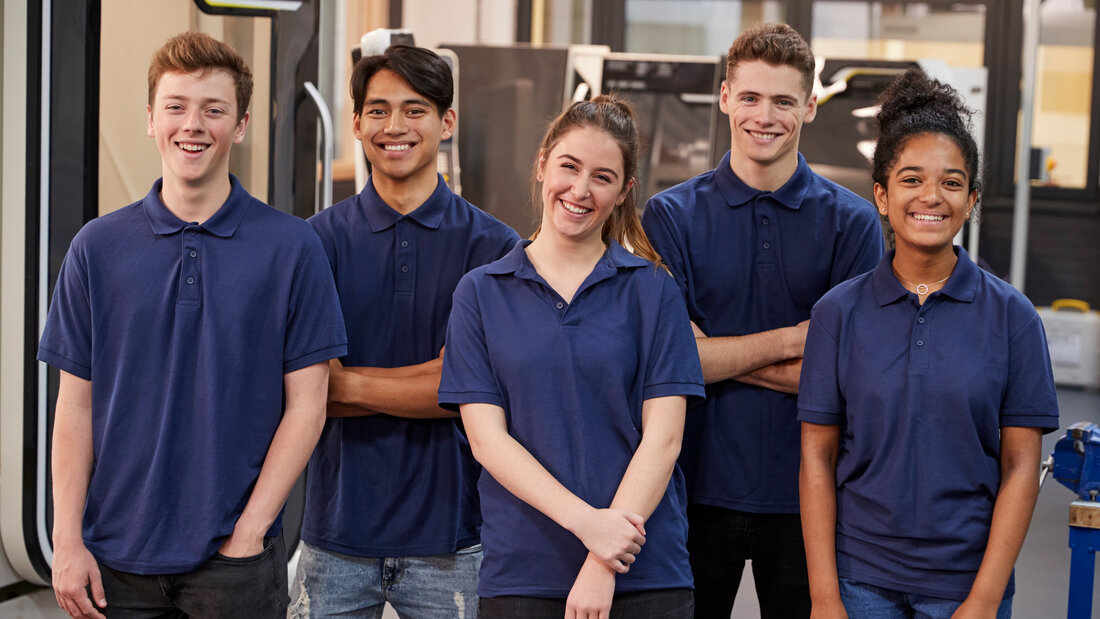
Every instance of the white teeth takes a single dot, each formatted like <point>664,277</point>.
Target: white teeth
<point>928,217</point>
<point>576,210</point>
<point>194,148</point>
<point>396,147</point>
<point>761,136</point>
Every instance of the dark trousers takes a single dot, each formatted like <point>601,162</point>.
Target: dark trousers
<point>219,588</point>
<point>657,604</point>
<point>721,540</point>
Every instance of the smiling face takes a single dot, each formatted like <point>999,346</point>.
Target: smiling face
<point>401,130</point>
<point>193,120</point>
<point>582,183</point>
<point>927,197</point>
<point>767,106</point>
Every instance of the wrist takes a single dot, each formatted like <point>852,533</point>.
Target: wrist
<point>577,515</point>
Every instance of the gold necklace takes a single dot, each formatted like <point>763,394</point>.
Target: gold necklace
<point>922,289</point>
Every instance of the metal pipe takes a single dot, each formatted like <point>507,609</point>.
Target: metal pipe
<point>326,147</point>
<point>1022,208</point>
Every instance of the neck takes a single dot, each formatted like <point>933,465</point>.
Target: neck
<point>195,202</point>
<point>924,268</point>
<point>405,195</point>
<point>764,177</point>
<point>566,254</point>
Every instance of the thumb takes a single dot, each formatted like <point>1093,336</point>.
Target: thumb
<point>99,596</point>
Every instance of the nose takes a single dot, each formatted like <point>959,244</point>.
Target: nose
<point>766,114</point>
<point>395,124</point>
<point>193,121</point>
<point>932,193</point>
<point>580,187</point>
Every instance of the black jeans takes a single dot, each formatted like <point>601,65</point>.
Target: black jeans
<point>656,604</point>
<point>721,540</point>
<point>221,587</point>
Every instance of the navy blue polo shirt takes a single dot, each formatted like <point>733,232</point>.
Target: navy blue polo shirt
<point>749,261</point>
<point>922,392</point>
<point>383,486</point>
<point>185,331</point>
<point>571,378</point>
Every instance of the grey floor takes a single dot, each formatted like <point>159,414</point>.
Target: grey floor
<point>1042,571</point>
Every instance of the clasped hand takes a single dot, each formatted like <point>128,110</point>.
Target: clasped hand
<point>614,536</point>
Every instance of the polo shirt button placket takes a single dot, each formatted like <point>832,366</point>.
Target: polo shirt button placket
<point>189,291</point>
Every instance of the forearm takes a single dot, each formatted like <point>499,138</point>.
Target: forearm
<point>729,357</point>
<point>782,376</point>
<point>409,392</point>
<point>1012,512</point>
<point>646,478</point>
<point>71,459</point>
<point>817,497</point>
<point>290,449</point>
<point>513,467</point>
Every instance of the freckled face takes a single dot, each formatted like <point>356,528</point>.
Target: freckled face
<point>193,120</point>
<point>401,130</point>
<point>927,196</point>
<point>767,107</point>
<point>582,183</point>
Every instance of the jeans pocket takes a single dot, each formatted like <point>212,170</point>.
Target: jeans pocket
<point>256,558</point>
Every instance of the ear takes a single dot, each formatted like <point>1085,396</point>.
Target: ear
<point>238,133</point>
<point>450,121</point>
<point>626,189</point>
<point>970,202</point>
<point>811,110</point>
<point>540,167</point>
<point>356,118</point>
<point>880,199</point>
<point>149,130</point>
<point>723,99</point>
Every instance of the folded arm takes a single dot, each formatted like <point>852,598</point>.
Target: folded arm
<point>408,391</point>
<point>771,359</point>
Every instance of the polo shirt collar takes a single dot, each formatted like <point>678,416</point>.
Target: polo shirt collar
<point>222,223</point>
<point>790,195</point>
<point>962,286</point>
<point>515,262</point>
<point>381,216</point>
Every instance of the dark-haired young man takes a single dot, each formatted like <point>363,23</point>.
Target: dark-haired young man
<point>392,513</point>
<point>193,331</point>
<point>754,244</point>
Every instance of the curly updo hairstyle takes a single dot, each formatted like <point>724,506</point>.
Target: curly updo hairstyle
<point>915,104</point>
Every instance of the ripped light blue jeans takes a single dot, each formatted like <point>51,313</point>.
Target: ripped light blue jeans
<point>332,584</point>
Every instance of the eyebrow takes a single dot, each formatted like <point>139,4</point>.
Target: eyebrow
<point>754,93</point>
<point>382,101</point>
<point>578,161</point>
<point>916,168</point>
<point>208,100</point>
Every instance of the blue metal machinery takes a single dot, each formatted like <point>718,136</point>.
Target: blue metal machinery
<point>1075,463</point>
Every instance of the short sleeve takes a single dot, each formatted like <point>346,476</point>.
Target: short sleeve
<point>315,324</point>
<point>663,234</point>
<point>819,397</point>
<point>861,244</point>
<point>67,338</point>
<point>673,364</point>
<point>1030,398</point>
<point>467,374</point>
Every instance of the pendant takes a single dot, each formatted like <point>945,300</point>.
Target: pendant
<point>922,289</point>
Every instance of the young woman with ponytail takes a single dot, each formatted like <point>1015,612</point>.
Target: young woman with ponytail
<point>571,360</point>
